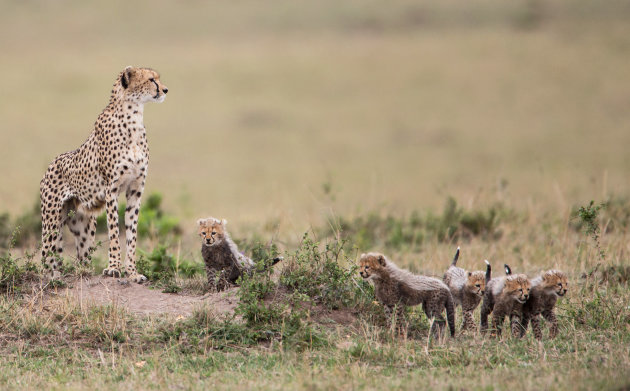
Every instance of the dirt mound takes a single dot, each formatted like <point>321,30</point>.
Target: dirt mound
<point>142,299</point>
<point>146,300</point>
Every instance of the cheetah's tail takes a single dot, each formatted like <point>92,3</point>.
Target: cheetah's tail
<point>455,258</point>
<point>488,271</point>
<point>508,271</point>
<point>276,260</point>
<point>450,314</point>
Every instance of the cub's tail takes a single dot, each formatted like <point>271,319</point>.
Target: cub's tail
<point>508,271</point>
<point>450,314</point>
<point>455,258</point>
<point>488,271</point>
<point>263,266</point>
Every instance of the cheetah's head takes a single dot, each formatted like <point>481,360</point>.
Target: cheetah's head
<point>211,230</point>
<point>476,283</point>
<point>517,286</point>
<point>555,282</point>
<point>142,85</point>
<point>371,264</point>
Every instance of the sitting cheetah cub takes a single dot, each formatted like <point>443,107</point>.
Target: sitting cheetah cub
<point>224,263</point>
<point>505,296</point>
<point>395,287</point>
<point>467,289</point>
<point>546,289</point>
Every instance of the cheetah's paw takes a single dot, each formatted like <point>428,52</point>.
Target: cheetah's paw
<point>111,272</point>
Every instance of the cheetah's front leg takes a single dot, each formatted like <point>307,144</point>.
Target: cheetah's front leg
<point>134,194</point>
<point>551,318</point>
<point>113,269</point>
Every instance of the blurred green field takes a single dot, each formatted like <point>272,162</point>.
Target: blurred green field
<point>283,112</point>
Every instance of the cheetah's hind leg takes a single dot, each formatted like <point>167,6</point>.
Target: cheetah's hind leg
<point>52,241</point>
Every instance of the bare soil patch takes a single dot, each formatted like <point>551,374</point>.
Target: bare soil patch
<point>143,299</point>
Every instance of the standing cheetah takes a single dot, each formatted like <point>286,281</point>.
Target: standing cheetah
<point>113,160</point>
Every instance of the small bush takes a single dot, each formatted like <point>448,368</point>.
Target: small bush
<point>160,266</point>
<point>152,221</point>
<point>326,276</point>
<point>13,271</point>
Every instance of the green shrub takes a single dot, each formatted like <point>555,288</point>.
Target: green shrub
<point>160,266</point>
<point>325,276</point>
<point>152,221</point>
<point>14,271</point>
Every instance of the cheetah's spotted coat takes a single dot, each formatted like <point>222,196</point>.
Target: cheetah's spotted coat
<point>113,160</point>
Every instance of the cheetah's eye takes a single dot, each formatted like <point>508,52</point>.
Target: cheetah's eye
<point>203,233</point>
<point>214,233</point>
<point>478,286</point>
<point>560,284</point>
<point>152,80</point>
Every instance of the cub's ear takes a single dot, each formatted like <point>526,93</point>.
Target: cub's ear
<point>200,221</point>
<point>381,260</point>
<point>125,78</point>
<point>223,222</point>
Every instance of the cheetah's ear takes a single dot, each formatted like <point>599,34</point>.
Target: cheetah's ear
<point>223,222</point>
<point>200,222</point>
<point>126,77</point>
<point>381,260</point>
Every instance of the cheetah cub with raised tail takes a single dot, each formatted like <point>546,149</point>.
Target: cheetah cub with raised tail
<point>467,289</point>
<point>546,289</point>
<point>397,288</point>
<point>113,160</point>
<point>224,263</point>
<point>505,296</point>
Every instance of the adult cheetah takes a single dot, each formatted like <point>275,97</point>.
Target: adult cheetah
<point>113,160</point>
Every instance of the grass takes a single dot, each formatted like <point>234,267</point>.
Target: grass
<point>283,334</point>
<point>407,127</point>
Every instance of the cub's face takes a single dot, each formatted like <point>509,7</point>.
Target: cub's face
<point>142,85</point>
<point>476,283</point>
<point>371,264</point>
<point>211,230</point>
<point>518,287</point>
<point>555,282</point>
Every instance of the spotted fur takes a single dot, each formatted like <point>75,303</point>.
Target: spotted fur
<point>113,160</point>
<point>546,289</point>
<point>224,263</point>
<point>396,288</point>
<point>467,289</point>
<point>505,296</point>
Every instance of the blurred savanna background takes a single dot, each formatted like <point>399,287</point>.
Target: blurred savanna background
<point>287,110</point>
<point>408,127</point>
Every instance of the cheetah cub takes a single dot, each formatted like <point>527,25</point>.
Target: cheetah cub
<point>224,263</point>
<point>546,289</point>
<point>467,289</point>
<point>397,288</point>
<point>505,296</point>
